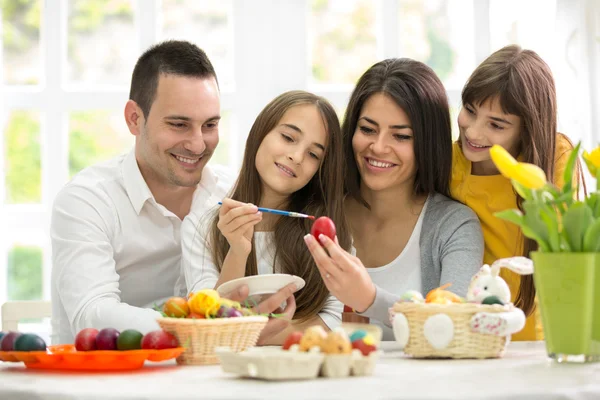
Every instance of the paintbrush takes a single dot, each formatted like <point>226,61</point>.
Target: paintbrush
<point>281,212</point>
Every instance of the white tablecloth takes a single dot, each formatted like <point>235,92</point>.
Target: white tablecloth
<point>523,373</point>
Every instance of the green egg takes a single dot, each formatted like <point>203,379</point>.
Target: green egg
<point>492,300</point>
<point>129,339</point>
<point>30,342</point>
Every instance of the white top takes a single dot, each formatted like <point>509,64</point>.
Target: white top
<point>523,374</point>
<point>116,252</point>
<point>403,273</point>
<point>198,270</point>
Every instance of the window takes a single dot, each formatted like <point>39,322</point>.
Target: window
<point>65,73</point>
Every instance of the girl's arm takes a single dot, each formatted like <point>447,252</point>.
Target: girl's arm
<point>234,267</point>
<point>236,223</point>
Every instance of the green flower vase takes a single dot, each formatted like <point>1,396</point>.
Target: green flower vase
<point>568,290</point>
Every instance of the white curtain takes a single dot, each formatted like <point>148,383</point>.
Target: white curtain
<point>576,69</point>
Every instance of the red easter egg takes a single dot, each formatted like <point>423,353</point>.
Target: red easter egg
<point>86,339</point>
<point>293,338</point>
<point>325,226</point>
<point>158,340</point>
<point>364,348</point>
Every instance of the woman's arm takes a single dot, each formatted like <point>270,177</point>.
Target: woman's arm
<point>461,254</point>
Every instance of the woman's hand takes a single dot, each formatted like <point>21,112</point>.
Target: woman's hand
<point>236,223</point>
<point>344,275</point>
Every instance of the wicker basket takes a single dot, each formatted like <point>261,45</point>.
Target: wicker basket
<point>200,337</point>
<point>465,343</point>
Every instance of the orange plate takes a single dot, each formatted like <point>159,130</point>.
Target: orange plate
<point>66,357</point>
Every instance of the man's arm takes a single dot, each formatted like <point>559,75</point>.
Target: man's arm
<point>84,273</point>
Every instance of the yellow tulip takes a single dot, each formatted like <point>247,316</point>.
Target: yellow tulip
<point>529,175</point>
<point>592,160</point>
<point>503,160</point>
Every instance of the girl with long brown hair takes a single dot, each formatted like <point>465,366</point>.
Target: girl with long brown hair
<point>509,100</point>
<point>293,161</point>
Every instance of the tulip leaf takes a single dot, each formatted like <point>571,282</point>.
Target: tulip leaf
<point>576,221</point>
<point>593,202</point>
<point>591,240</point>
<point>568,173</point>
<point>521,190</point>
<point>517,218</point>
<point>549,217</point>
<point>533,220</point>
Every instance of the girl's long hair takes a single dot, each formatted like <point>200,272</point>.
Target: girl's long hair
<point>322,196</point>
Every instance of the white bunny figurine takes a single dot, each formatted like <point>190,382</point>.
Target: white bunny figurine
<point>487,281</point>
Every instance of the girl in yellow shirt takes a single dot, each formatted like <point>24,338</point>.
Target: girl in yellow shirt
<point>509,100</point>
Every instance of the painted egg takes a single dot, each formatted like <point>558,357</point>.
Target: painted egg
<point>30,342</point>
<point>358,334</point>
<point>337,342</point>
<point>412,296</point>
<point>234,313</point>
<point>8,341</point>
<point>492,300</point>
<point>314,336</point>
<point>365,345</point>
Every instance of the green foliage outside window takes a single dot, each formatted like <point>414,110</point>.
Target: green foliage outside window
<point>23,158</point>
<point>96,136</point>
<point>25,275</point>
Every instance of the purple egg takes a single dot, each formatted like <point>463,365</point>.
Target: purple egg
<point>8,341</point>
<point>222,312</point>
<point>107,339</point>
<point>233,313</point>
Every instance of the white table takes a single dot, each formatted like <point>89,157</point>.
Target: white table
<point>523,373</point>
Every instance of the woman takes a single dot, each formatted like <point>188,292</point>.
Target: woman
<point>407,232</point>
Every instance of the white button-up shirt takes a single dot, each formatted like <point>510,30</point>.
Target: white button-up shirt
<point>116,252</point>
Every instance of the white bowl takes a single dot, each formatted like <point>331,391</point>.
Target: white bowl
<point>261,286</point>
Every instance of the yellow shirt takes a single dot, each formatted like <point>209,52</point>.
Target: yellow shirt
<point>489,194</point>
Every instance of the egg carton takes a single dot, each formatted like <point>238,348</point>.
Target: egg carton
<point>274,364</point>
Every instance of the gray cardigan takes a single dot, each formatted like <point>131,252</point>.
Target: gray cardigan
<point>451,246</point>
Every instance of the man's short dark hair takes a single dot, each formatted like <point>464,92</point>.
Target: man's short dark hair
<point>170,57</point>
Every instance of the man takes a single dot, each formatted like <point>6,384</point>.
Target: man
<point>115,227</point>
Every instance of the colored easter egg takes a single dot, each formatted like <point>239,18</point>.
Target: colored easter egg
<point>366,347</point>
<point>130,339</point>
<point>86,339</point>
<point>8,341</point>
<point>323,226</point>
<point>158,340</point>
<point>492,300</point>
<point>30,342</point>
<point>222,312</point>
<point>314,336</point>
<point>412,296</point>
<point>233,313</point>
<point>107,339</point>
<point>358,334</point>
<point>292,339</point>
<point>337,342</point>
<point>176,307</point>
